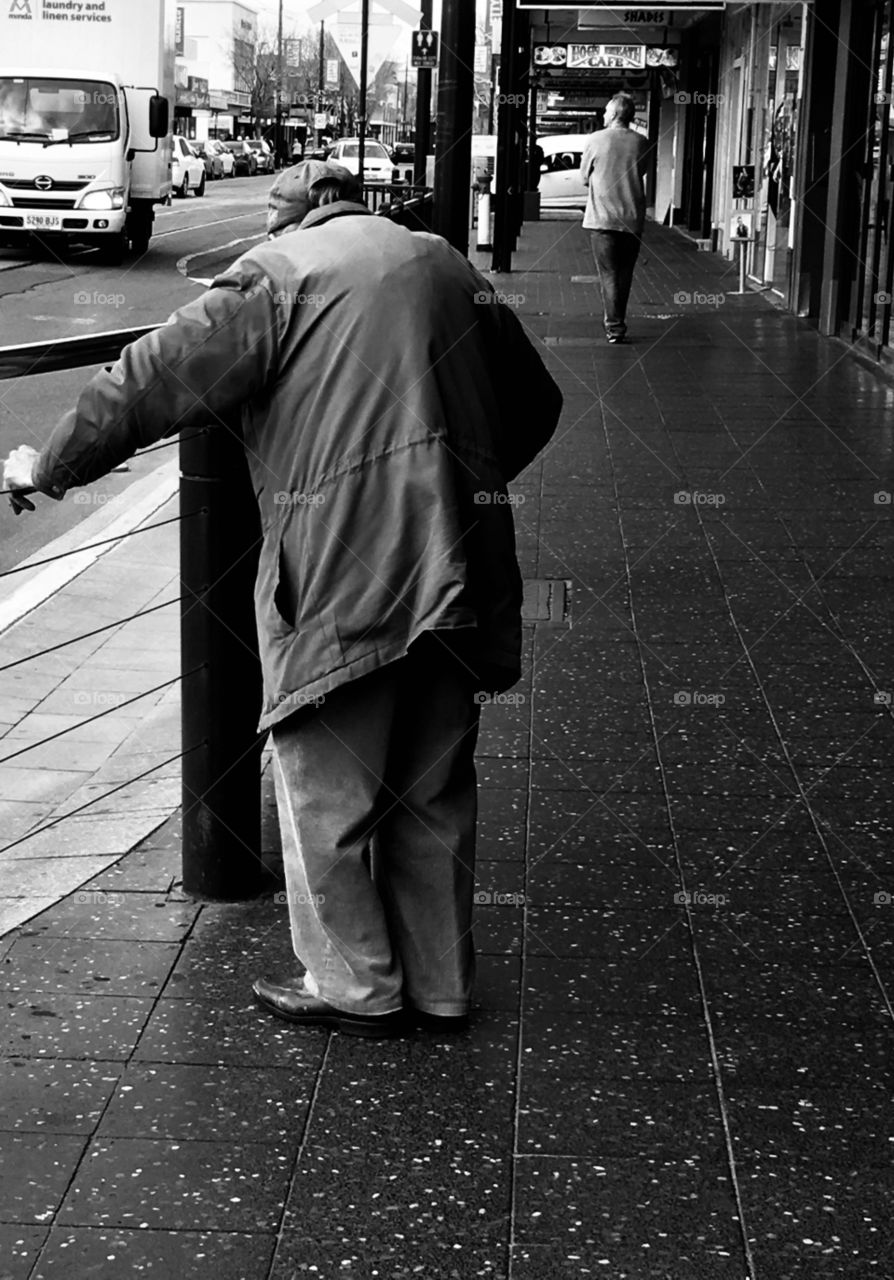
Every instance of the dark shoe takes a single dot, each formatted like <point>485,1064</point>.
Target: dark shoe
<point>290,1001</point>
<point>439,1021</point>
<point>615,338</point>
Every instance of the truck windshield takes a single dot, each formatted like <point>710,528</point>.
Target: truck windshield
<point>58,110</point>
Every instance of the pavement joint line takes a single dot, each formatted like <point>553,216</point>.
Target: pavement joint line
<point>117,518</point>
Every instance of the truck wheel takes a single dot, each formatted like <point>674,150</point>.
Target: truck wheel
<point>113,249</point>
<point>200,189</point>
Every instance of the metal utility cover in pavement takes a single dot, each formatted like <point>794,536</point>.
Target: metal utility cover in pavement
<point>546,600</point>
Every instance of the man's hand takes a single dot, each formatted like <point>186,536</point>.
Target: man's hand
<point>18,474</point>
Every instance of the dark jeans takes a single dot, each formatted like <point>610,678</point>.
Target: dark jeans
<point>616,253</point>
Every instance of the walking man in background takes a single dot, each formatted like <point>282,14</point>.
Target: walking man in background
<point>614,168</point>
<point>386,399</point>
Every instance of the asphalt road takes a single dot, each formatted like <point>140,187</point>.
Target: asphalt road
<point>58,297</point>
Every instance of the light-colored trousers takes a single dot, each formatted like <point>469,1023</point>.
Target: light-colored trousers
<point>377,803</point>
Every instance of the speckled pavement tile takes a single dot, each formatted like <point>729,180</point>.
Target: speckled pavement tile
<point>449,1259</point>
<point>683,1209</point>
<point>617,937</point>
<point>60,1025</point>
<point>19,1247</point>
<point>35,1170</point>
<point>54,1095</point>
<point>608,1118</point>
<point>837,1221</point>
<point>195,1031</point>
<point>100,1253</point>
<point>827,1128</point>
<point>657,985</point>
<point>100,913</point>
<point>625,1262</point>
<point>564,1046</point>
<point>188,1185</point>
<point>339,1196</point>
<point>85,965</point>
<point>202,1102</point>
<point>788,1048</point>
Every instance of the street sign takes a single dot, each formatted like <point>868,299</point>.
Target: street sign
<point>321,119</point>
<point>425,49</point>
<point>332,66</point>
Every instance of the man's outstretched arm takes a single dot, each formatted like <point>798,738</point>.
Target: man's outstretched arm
<point>213,355</point>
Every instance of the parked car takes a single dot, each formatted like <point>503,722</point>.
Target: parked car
<point>187,169</point>
<point>261,148</point>
<point>377,165</point>
<point>560,184</point>
<point>211,160</point>
<point>245,162</point>
<point>227,159</point>
<point>403,155</point>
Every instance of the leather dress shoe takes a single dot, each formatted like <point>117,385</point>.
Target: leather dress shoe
<point>290,1000</point>
<point>439,1021</point>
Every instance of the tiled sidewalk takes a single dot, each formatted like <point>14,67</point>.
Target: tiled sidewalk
<point>681,1063</point>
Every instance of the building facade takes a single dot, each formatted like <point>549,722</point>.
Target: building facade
<point>216,42</point>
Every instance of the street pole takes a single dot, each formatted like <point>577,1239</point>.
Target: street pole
<point>279,84</point>
<point>364,68</point>
<point>423,106</point>
<point>320,81</point>
<point>453,153</point>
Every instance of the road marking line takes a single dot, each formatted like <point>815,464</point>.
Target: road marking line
<point>182,263</point>
<point>121,515</point>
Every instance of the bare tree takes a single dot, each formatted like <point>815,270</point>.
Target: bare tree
<point>255,69</point>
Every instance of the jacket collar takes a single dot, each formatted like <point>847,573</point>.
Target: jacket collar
<point>340,209</point>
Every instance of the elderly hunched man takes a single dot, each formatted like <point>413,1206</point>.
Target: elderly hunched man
<point>386,399</point>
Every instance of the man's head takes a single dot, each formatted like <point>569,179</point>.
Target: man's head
<point>620,109</point>
<point>306,186</point>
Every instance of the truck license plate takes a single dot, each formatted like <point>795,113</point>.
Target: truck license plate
<point>43,221</point>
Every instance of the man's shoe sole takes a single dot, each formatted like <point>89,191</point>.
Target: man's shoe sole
<point>378,1028</point>
<point>439,1022</point>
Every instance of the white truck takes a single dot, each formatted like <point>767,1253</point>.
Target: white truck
<point>86,94</point>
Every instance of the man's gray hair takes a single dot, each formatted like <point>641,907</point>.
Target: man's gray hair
<point>621,107</point>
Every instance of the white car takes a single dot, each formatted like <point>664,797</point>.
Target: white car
<point>560,184</point>
<point>377,163</point>
<point>227,159</point>
<point>187,169</point>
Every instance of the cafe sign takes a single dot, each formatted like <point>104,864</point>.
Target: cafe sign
<point>592,57</point>
<point>602,57</point>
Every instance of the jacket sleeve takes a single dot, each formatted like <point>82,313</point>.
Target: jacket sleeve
<point>586,165</point>
<point>531,402</point>
<point>211,356</point>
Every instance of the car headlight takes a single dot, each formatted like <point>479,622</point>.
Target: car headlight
<point>106,198</point>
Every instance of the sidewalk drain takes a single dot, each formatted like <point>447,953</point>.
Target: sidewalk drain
<point>546,600</point>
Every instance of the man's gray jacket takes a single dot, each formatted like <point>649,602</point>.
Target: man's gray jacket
<point>386,398</point>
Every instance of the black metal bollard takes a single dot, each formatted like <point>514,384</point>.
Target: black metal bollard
<point>219,547</point>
